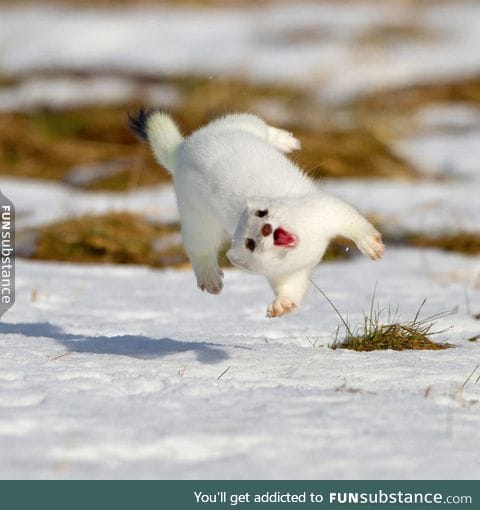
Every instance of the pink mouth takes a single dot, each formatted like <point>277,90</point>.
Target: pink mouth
<point>284,238</point>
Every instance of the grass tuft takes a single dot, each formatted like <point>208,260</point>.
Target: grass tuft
<point>397,337</point>
<point>373,335</point>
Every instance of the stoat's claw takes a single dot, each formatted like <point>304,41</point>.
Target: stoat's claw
<point>372,246</point>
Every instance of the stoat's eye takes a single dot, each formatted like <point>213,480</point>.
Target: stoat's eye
<point>250,244</point>
<point>261,213</point>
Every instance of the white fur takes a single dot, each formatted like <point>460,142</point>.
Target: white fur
<point>229,169</point>
<point>165,138</point>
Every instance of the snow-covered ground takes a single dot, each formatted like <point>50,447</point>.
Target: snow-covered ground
<point>341,48</point>
<point>127,372</point>
<point>113,372</point>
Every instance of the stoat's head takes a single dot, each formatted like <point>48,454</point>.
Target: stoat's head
<point>262,243</point>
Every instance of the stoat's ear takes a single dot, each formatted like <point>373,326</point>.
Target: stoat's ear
<point>282,237</point>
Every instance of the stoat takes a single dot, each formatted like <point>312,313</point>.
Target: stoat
<point>233,182</point>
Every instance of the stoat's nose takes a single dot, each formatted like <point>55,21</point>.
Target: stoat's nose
<point>266,229</point>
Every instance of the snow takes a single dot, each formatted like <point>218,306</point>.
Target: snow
<point>65,92</point>
<point>130,372</point>
<point>446,155</point>
<point>445,148</point>
<point>114,372</point>
<point>39,202</point>
<point>316,44</point>
<point>449,116</point>
<point>423,206</point>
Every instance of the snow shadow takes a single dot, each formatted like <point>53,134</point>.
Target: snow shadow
<point>136,346</point>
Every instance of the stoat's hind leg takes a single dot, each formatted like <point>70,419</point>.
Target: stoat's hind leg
<point>279,138</point>
<point>282,140</point>
<point>289,291</point>
<point>202,237</point>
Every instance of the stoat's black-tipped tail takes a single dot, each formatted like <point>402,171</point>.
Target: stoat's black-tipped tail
<point>138,123</point>
<point>160,131</point>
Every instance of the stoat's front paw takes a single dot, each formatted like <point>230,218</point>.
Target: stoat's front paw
<point>280,307</point>
<point>371,245</point>
<point>210,279</point>
<point>283,140</point>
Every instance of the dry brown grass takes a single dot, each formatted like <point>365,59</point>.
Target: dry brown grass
<point>408,99</point>
<point>397,337</point>
<point>207,98</point>
<point>326,150</point>
<point>114,238</point>
<point>48,145</point>
<point>118,238</point>
<point>467,243</point>
<point>352,153</point>
<point>392,33</point>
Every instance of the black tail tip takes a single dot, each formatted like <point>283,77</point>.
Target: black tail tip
<point>138,123</point>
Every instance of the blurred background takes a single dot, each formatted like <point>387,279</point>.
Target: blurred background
<point>384,95</point>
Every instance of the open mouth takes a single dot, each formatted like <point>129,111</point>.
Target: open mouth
<point>282,237</point>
